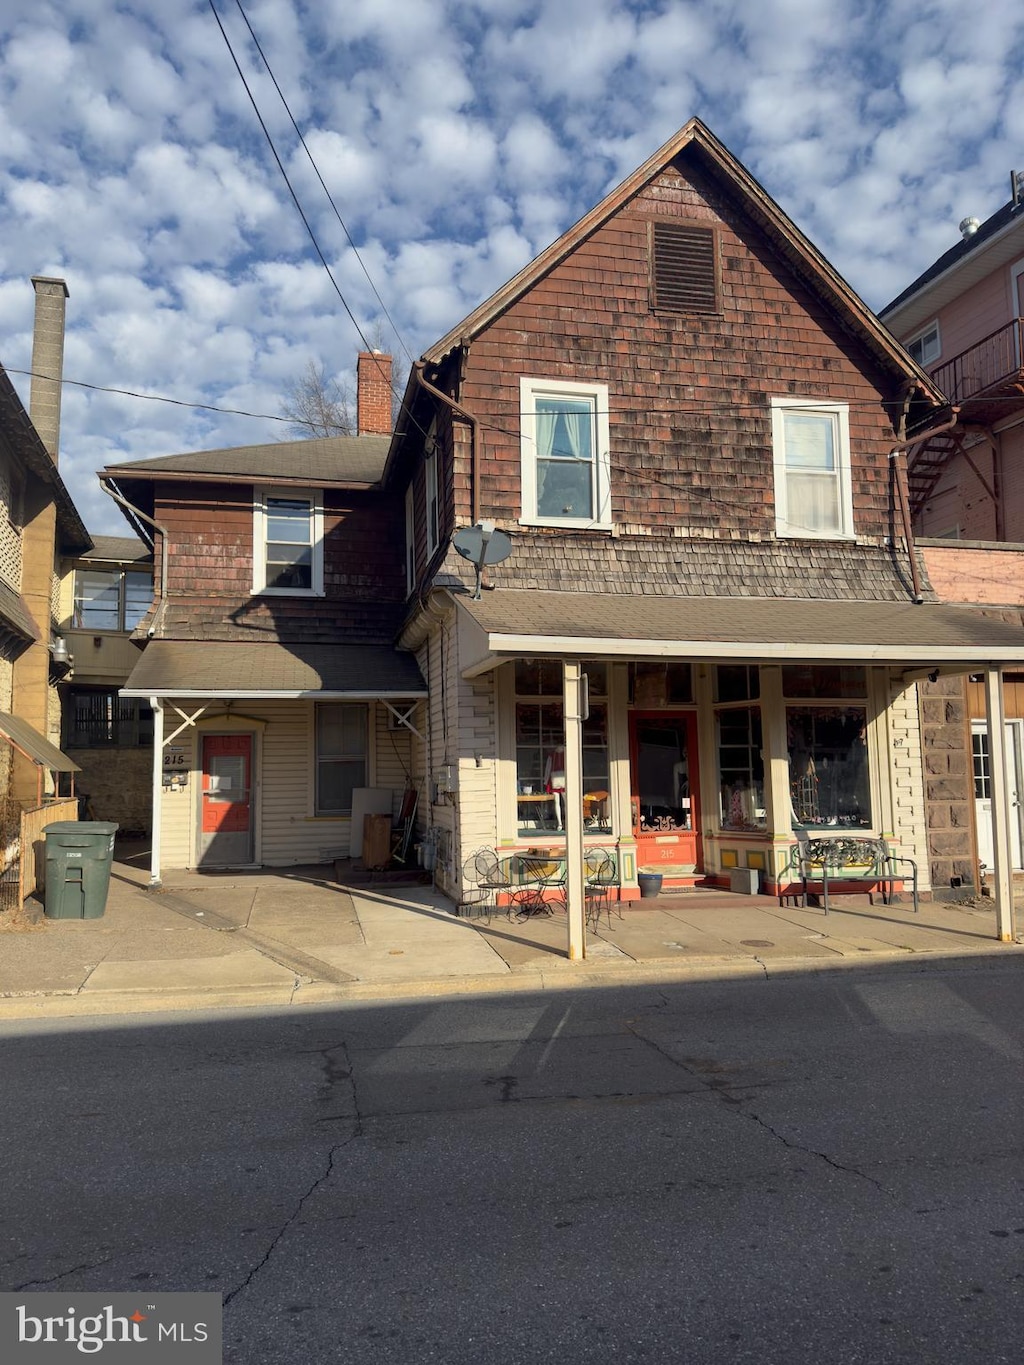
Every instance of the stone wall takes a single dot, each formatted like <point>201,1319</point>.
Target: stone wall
<point>949,790</point>
<point>119,785</point>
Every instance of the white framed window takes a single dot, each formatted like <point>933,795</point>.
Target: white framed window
<point>288,542</point>
<point>926,346</point>
<point>430,506</point>
<point>341,736</point>
<point>811,445</point>
<point>565,454</point>
<point>410,540</point>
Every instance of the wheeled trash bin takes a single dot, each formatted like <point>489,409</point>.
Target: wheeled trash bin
<point>78,858</point>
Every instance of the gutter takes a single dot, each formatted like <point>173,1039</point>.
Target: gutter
<point>111,490</point>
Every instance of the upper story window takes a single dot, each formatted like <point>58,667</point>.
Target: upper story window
<point>110,599</point>
<point>410,540</point>
<point>288,544</point>
<point>684,268</point>
<point>431,511</point>
<point>926,346</point>
<point>565,453</point>
<point>811,443</point>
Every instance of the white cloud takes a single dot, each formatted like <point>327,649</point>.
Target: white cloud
<point>458,138</point>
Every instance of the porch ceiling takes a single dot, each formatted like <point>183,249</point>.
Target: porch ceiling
<point>507,623</point>
<point>269,670</point>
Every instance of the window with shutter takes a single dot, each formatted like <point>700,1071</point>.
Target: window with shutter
<point>684,273</point>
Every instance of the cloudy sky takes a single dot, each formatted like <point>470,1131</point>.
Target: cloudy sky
<point>457,138</point>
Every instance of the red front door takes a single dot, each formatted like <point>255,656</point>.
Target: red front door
<point>225,827</point>
<point>666,813</point>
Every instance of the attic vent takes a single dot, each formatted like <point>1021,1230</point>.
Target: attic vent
<point>684,274</point>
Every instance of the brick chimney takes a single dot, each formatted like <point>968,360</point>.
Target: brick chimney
<point>47,360</point>
<point>373,394</point>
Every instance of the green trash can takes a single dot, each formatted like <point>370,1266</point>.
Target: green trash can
<point>78,858</point>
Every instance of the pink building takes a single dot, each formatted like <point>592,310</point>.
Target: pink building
<point>962,321</point>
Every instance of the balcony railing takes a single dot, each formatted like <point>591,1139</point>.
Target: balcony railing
<point>993,361</point>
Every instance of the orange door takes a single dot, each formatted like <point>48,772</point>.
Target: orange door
<point>225,834</point>
<point>666,815</point>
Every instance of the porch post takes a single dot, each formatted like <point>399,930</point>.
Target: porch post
<point>158,789</point>
<point>996,722</point>
<point>574,894</point>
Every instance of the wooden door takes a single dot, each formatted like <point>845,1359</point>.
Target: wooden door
<point>665,791</point>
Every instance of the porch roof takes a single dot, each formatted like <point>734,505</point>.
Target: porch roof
<point>271,670</point>
<point>34,745</point>
<point>508,622</point>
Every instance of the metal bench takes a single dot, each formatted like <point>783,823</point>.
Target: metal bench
<point>868,862</point>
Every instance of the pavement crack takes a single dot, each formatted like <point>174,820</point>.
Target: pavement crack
<point>715,1086</point>
<point>334,1071</point>
<point>811,1151</point>
<point>28,1285</point>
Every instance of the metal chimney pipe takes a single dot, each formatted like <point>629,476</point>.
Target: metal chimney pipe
<point>48,360</point>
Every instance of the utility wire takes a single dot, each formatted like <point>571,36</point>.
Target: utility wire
<point>330,198</point>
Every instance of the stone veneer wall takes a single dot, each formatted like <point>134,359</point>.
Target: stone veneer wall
<point>119,785</point>
<point>946,740</point>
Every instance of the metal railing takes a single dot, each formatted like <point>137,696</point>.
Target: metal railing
<point>983,366</point>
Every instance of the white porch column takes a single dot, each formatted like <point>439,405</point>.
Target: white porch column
<point>574,892</point>
<point>996,722</point>
<point>158,789</point>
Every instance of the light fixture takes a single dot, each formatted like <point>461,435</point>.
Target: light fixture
<point>933,676</point>
<point>59,650</point>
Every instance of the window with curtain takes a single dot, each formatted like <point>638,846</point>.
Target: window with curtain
<point>565,453</point>
<point>811,443</point>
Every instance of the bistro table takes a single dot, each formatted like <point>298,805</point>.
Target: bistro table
<point>532,872</point>
<point>539,806</point>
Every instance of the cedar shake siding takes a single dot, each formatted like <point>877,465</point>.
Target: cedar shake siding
<point>210,569</point>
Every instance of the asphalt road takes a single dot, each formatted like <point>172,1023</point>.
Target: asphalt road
<point>823,1169</point>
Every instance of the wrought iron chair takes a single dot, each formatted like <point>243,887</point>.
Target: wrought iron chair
<point>484,878</point>
<point>599,876</point>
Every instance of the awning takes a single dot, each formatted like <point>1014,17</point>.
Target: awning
<point>509,623</point>
<point>269,670</point>
<point>34,746</point>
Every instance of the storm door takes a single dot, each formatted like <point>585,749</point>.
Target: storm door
<point>226,817</point>
<point>666,816</point>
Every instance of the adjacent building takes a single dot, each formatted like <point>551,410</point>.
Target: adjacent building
<point>963,320</point>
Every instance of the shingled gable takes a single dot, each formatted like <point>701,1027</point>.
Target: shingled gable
<point>697,140</point>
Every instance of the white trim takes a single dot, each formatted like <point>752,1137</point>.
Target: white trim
<point>235,694</point>
<point>410,539</point>
<point>529,390</point>
<point>314,497</point>
<point>505,647</point>
<point>431,507</point>
<point>839,414</point>
<point>926,358</point>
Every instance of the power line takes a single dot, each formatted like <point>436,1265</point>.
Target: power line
<point>330,198</point>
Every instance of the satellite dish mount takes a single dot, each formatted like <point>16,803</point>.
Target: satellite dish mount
<point>482,544</point>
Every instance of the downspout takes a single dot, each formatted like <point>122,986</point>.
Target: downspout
<point>475,437</point>
<point>898,457</point>
<point>158,617</point>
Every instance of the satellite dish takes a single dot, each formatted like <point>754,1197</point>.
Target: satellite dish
<point>482,545</point>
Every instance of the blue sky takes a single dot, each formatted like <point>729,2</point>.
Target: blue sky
<point>457,140</point>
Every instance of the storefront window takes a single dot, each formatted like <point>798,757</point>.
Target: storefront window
<point>656,685</point>
<point>828,766</point>
<point>540,751</point>
<point>737,682</point>
<point>740,769</point>
<point>824,680</point>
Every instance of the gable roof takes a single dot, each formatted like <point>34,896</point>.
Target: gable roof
<point>329,461</point>
<point>696,140</point>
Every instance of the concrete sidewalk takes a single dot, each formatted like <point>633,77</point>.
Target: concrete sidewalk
<point>296,936</point>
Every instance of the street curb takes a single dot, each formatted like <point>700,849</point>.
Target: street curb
<point>566,977</point>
